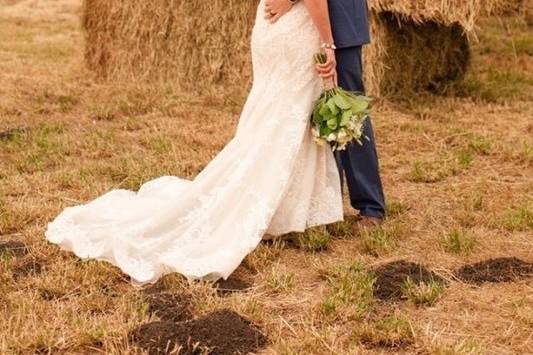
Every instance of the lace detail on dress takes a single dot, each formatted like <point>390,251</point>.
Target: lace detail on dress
<point>271,177</point>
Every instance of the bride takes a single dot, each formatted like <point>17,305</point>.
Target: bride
<point>270,179</point>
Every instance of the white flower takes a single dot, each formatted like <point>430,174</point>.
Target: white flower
<point>342,135</point>
<point>332,137</point>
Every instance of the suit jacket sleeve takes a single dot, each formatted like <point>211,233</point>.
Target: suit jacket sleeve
<point>349,22</point>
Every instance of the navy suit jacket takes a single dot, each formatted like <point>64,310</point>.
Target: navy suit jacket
<point>349,22</point>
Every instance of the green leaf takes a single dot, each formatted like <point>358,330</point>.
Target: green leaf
<point>332,123</point>
<point>359,105</point>
<point>324,110</point>
<point>346,116</point>
<point>333,107</point>
<point>325,131</point>
<point>341,101</point>
<point>317,118</point>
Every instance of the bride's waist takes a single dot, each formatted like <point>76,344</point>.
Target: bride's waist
<point>294,28</point>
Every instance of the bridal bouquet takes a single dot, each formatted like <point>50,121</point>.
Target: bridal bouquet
<point>339,115</point>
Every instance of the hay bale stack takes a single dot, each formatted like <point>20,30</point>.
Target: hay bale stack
<point>188,42</point>
<point>417,44</point>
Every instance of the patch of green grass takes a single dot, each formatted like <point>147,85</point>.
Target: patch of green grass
<point>423,293</point>
<point>281,280</point>
<point>498,86</point>
<point>161,144</point>
<point>393,331</point>
<point>465,158</point>
<point>430,171</point>
<point>342,230</point>
<point>314,239</point>
<point>523,45</point>
<point>264,255</point>
<point>48,100</point>
<point>442,167</point>
<point>350,293</point>
<point>380,240</point>
<point>480,145</point>
<point>102,141</point>
<point>395,208</point>
<point>458,241</point>
<point>37,148</point>
<point>519,218</point>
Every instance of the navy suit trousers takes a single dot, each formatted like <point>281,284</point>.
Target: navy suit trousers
<point>359,163</point>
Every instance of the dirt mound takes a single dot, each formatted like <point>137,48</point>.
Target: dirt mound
<point>231,285</point>
<point>391,277</point>
<point>495,270</point>
<point>29,268</point>
<point>220,332</point>
<point>169,307</point>
<point>12,247</point>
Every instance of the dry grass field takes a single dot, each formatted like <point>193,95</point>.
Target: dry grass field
<point>448,273</point>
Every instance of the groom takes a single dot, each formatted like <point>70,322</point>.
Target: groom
<point>349,22</point>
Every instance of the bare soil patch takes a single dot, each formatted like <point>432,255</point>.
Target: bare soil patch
<point>495,270</point>
<point>231,285</point>
<point>13,247</point>
<point>391,277</point>
<point>220,332</point>
<point>169,307</point>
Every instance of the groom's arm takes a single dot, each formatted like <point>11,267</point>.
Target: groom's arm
<point>274,9</point>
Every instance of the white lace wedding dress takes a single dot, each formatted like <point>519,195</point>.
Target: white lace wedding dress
<point>271,178</point>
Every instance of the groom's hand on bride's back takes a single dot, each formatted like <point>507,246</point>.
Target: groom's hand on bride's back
<point>274,9</point>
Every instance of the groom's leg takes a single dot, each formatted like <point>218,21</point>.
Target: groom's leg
<point>359,162</point>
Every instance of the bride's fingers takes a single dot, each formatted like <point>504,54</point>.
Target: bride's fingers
<point>325,69</point>
<point>328,75</point>
<point>270,15</point>
<point>327,65</point>
<point>275,17</point>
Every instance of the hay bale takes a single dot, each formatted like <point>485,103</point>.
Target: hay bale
<point>420,44</point>
<point>188,42</point>
<point>417,44</point>
<point>408,56</point>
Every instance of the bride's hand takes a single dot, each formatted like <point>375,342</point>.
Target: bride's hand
<point>274,9</point>
<point>328,70</point>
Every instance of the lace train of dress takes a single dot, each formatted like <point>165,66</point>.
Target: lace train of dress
<point>270,178</point>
